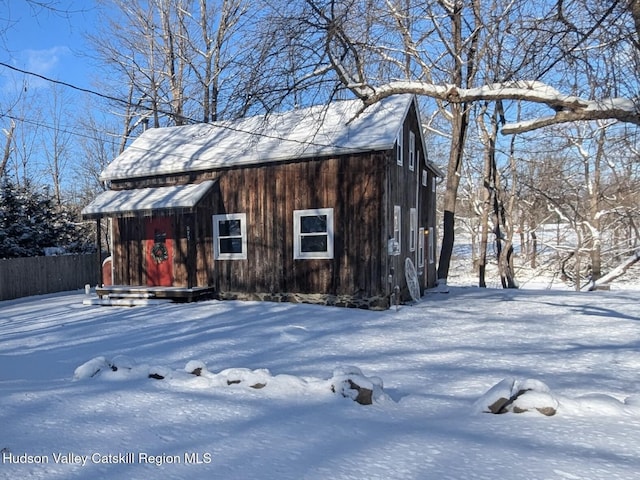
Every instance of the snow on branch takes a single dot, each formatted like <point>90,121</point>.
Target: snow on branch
<point>568,108</point>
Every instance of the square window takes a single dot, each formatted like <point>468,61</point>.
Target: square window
<point>313,243</point>
<point>229,228</point>
<point>230,236</point>
<point>313,223</point>
<point>313,233</point>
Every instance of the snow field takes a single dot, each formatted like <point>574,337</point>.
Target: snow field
<point>435,359</point>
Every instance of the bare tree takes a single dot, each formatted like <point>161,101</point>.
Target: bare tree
<point>174,57</point>
<point>435,49</point>
<point>217,23</point>
<point>57,139</point>
<point>25,155</point>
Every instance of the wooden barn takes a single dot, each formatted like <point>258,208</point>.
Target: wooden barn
<point>329,204</point>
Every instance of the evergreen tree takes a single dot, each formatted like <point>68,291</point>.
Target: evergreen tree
<point>30,223</point>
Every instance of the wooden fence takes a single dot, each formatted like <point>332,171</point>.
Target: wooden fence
<point>22,277</point>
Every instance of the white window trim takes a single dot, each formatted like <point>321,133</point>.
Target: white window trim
<point>431,246</point>
<point>399,148</point>
<point>217,255</point>
<point>397,226</point>
<point>298,254</point>
<point>413,224</point>
<point>412,151</point>
<point>421,247</point>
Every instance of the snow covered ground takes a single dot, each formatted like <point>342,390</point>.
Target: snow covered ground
<point>435,360</point>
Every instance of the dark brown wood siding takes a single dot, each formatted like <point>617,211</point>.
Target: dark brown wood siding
<point>128,251</point>
<point>268,194</point>
<point>362,189</point>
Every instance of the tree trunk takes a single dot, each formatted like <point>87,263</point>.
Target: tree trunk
<point>460,124</point>
<point>487,197</point>
<point>594,209</point>
<point>484,236</point>
<point>506,261</point>
<point>617,272</point>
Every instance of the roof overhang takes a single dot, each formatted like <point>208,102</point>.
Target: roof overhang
<point>437,171</point>
<point>141,202</point>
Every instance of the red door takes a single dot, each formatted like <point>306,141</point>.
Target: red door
<point>159,252</point>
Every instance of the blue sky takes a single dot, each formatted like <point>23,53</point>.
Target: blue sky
<point>50,43</point>
<point>45,42</point>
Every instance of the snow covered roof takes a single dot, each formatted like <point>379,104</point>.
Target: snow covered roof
<point>143,201</point>
<point>336,129</point>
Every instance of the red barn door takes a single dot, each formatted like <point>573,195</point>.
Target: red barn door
<point>159,252</point>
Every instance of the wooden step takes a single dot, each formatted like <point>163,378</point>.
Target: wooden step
<point>124,302</point>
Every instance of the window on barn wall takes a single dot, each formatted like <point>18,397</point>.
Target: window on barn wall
<point>313,230</point>
<point>413,224</point>
<point>397,223</point>
<point>425,178</point>
<point>399,145</point>
<point>431,247</point>
<point>230,236</point>
<point>421,247</point>
<point>412,151</point>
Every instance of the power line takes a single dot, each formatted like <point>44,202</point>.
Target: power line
<point>59,82</point>
<point>66,129</point>
<point>89,91</point>
<point>223,125</point>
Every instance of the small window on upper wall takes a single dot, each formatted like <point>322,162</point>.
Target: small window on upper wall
<point>399,148</point>
<point>425,178</point>
<point>412,151</point>
<point>313,233</point>
<point>230,236</point>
